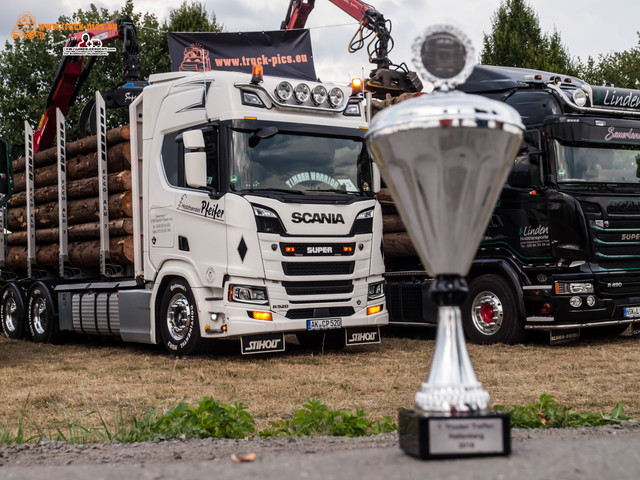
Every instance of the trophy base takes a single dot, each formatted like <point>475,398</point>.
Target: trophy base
<point>457,436</point>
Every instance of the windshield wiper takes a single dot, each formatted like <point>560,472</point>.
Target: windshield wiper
<point>273,189</point>
<point>335,190</point>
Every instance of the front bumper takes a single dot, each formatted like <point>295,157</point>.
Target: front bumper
<point>562,316</point>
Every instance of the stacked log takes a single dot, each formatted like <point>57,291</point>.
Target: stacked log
<point>83,210</point>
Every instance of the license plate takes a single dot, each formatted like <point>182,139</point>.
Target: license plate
<point>324,324</point>
<point>631,312</point>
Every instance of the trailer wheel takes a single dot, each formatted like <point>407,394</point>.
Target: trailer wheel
<point>489,312</point>
<point>178,319</point>
<point>322,341</point>
<point>41,313</point>
<point>12,312</point>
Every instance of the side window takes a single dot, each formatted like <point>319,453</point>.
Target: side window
<point>213,166</point>
<point>173,159</point>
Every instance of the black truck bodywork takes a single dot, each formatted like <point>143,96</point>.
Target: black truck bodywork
<point>562,250</point>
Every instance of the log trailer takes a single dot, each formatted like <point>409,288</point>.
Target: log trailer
<point>252,215</point>
<point>562,250</point>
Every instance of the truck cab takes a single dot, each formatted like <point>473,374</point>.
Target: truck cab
<point>563,236</point>
<point>283,232</point>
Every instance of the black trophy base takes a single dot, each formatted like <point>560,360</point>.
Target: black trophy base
<point>459,436</point>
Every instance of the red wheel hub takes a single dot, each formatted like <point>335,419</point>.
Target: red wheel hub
<point>487,313</point>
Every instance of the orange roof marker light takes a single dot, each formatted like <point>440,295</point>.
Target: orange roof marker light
<point>257,74</point>
<point>356,87</point>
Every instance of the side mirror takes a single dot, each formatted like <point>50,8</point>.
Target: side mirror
<point>520,176</point>
<point>195,159</point>
<point>375,174</point>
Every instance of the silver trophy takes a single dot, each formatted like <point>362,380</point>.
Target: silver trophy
<point>445,157</point>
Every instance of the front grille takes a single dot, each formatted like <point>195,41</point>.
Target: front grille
<point>617,245</point>
<point>299,313</point>
<point>317,249</point>
<point>317,268</point>
<point>318,288</point>
<point>619,285</point>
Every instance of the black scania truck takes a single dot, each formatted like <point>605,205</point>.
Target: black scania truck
<point>562,250</point>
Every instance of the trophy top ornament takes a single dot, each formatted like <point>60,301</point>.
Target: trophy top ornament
<point>443,55</point>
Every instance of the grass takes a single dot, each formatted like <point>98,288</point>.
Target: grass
<point>107,384</point>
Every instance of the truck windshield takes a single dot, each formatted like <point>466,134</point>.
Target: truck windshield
<point>299,163</point>
<point>591,163</point>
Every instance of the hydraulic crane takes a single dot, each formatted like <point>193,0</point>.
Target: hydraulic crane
<point>74,70</point>
<point>386,77</point>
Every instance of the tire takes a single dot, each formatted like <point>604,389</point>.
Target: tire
<point>178,320</point>
<point>41,314</point>
<point>489,312</point>
<point>12,312</point>
<point>321,341</point>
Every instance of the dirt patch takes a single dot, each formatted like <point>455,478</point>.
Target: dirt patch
<point>97,380</point>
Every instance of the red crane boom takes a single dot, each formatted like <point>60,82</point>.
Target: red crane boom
<point>386,77</point>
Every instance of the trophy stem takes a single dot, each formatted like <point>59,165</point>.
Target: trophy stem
<point>452,386</point>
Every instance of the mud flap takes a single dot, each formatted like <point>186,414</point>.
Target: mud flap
<point>635,329</point>
<point>556,337</point>
<point>263,343</point>
<point>362,335</point>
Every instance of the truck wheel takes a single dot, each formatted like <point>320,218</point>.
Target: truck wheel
<point>322,341</point>
<point>178,318</point>
<point>12,312</point>
<point>41,313</point>
<point>489,312</point>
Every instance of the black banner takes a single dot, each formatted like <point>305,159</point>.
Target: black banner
<point>285,53</point>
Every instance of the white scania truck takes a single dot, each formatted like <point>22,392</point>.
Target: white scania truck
<point>254,215</point>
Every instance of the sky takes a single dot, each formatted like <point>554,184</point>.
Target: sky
<point>587,28</point>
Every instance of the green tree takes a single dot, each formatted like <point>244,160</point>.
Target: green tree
<point>192,17</point>
<point>621,69</point>
<point>516,40</point>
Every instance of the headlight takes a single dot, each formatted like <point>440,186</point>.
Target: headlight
<point>571,288</point>
<point>365,214</point>
<point>579,97</point>
<point>248,294</point>
<point>336,97</point>
<point>319,95</point>
<point>263,212</point>
<point>352,110</point>
<point>376,290</point>
<point>302,92</point>
<point>284,90</point>
<point>267,220</point>
<point>363,223</point>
